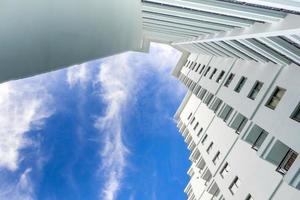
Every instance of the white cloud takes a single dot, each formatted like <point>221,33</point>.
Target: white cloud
<point>120,78</point>
<point>23,107</point>
<point>117,89</point>
<point>78,74</point>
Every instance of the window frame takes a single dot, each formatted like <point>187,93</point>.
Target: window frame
<point>296,113</point>
<point>274,95</point>
<point>229,80</point>
<point>255,89</point>
<point>239,86</point>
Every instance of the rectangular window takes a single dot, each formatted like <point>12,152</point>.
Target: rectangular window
<point>202,69</point>
<point>213,73</point>
<point>216,105</point>
<point>190,115</point>
<point>225,114</point>
<point>204,139</point>
<point>275,98</point>
<point>216,158</point>
<point>187,63</point>
<point>199,132</point>
<point>209,148</point>
<point>239,123</point>
<point>198,67</point>
<point>255,90</point>
<point>234,185</point>
<point>191,65</point>
<point>259,140</point>
<point>196,125</point>
<point>206,71</point>
<point>229,79</point>
<point>220,76</point>
<point>240,84</point>
<point>195,64</point>
<point>202,93</point>
<point>225,170</point>
<point>249,197</point>
<point>208,98</point>
<point>192,120</point>
<point>296,114</point>
<point>287,161</point>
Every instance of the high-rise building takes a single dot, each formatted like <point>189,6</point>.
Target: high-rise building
<point>241,115</point>
<point>240,61</point>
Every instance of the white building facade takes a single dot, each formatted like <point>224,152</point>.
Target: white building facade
<point>241,115</point>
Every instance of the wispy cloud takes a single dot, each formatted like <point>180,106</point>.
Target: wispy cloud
<point>78,74</point>
<point>117,89</point>
<point>120,78</point>
<point>24,106</point>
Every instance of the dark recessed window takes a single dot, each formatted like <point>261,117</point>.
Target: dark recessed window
<point>190,115</point>
<point>196,125</point>
<point>213,73</point>
<point>209,148</point>
<point>202,69</point>
<point>240,84</point>
<point>234,185</point>
<point>275,98</point>
<point>229,79</point>
<point>225,170</point>
<point>199,132</point>
<point>194,66</point>
<point>216,158</point>
<point>204,139</point>
<point>296,114</point>
<point>255,90</point>
<point>206,71</point>
<point>220,76</point>
<point>249,197</point>
<point>198,67</point>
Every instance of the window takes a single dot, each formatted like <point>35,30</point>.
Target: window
<point>220,76</point>
<point>208,98</point>
<point>198,67</point>
<point>216,105</point>
<point>255,90</point>
<point>239,123</point>
<point>249,197</point>
<point>229,79</point>
<point>216,158</point>
<point>190,115</point>
<point>204,139</point>
<point>199,132</point>
<point>226,113</point>
<point>259,140</point>
<point>194,66</point>
<point>275,98</point>
<point>234,185</point>
<point>196,125</point>
<point>225,170</point>
<point>187,63</point>
<point>202,69</point>
<point>240,84</point>
<point>206,71</point>
<point>287,161</point>
<point>209,148</point>
<point>192,120</point>
<point>296,114</point>
<point>213,73</point>
<point>191,64</point>
<point>202,94</point>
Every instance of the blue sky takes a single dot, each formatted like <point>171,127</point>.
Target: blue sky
<point>99,130</point>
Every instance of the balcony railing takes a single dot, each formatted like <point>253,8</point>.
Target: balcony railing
<point>287,162</point>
